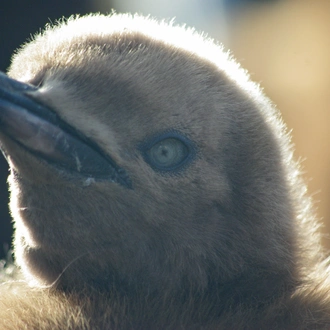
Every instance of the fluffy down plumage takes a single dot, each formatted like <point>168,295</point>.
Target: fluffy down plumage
<point>152,187</point>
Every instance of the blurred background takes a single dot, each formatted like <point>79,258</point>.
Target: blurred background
<point>284,44</point>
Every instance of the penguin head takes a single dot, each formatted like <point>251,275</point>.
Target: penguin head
<point>141,154</point>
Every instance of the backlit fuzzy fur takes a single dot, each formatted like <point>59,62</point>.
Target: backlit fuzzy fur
<point>229,242</point>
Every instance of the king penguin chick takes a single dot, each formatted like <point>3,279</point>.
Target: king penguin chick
<point>152,187</point>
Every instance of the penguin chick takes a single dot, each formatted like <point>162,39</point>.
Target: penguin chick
<point>152,187</point>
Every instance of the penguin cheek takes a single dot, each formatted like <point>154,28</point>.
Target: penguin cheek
<point>35,264</point>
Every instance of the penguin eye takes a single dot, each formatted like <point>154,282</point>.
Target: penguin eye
<point>168,153</point>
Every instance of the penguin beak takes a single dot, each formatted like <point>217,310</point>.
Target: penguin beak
<point>39,130</point>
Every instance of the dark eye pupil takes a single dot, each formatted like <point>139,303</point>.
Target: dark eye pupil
<point>164,152</point>
<point>168,153</point>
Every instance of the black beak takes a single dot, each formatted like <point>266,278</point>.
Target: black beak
<point>39,130</point>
